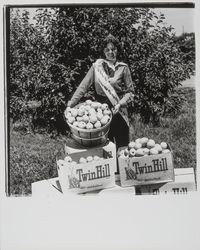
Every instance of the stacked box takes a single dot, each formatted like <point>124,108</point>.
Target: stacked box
<point>184,183</point>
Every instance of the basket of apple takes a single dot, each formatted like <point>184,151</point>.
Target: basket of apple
<point>143,147</point>
<point>89,122</point>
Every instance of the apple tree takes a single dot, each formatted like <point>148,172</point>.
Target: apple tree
<point>67,40</point>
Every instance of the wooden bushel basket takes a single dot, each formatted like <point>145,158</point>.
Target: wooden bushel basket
<point>90,137</point>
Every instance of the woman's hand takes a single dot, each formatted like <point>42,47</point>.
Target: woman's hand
<point>116,108</point>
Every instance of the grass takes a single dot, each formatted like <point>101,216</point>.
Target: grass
<point>179,132</point>
<point>33,156</point>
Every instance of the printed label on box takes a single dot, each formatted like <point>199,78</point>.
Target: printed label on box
<point>146,169</point>
<point>183,184</point>
<point>90,176</point>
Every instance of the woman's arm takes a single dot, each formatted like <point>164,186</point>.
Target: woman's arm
<point>129,88</point>
<point>82,88</point>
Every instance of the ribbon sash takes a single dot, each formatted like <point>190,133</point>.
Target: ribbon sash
<point>110,92</point>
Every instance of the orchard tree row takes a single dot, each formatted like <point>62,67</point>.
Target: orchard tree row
<point>49,57</point>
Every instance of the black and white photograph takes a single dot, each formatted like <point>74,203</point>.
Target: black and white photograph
<point>100,100</point>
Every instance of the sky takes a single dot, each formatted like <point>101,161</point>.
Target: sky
<point>182,19</point>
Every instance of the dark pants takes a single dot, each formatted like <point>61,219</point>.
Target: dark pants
<point>119,130</point>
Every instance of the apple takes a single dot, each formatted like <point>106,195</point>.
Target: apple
<point>71,119</point>
<point>165,151</point>
<point>82,124</point>
<point>81,112</point>
<point>163,145</point>
<point>93,119</point>
<point>99,115</point>
<point>89,158</point>
<point>153,151</point>
<point>87,107</point>
<point>68,115</point>
<point>146,151</point>
<point>96,158</point>
<point>82,107</point>
<point>79,118</point>
<point>107,117</point>
<point>104,106</point>
<point>88,102</point>
<point>86,118</point>
<point>144,141</point>
<point>104,121</point>
<point>68,109</point>
<point>132,152</point>
<point>139,152</point>
<point>151,143</point>
<point>74,112</point>
<point>95,105</point>
<point>99,110</point>
<point>131,145</point>
<point>92,111</point>
<point>137,145</point>
<point>75,123</point>
<point>107,112</point>
<point>82,160</point>
<point>98,104</point>
<point>89,125</point>
<point>138,140</point>
<point>97,124</point>
<point>158,147</point>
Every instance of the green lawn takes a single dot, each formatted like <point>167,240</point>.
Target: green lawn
<point>32,156</point>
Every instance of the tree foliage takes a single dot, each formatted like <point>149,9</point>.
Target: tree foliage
<point>186,43</point>
<point>49,59</point>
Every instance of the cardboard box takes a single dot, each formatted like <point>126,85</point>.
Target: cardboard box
<point>146,169</point>
<point>74,147</point>
<point>51,187</point>
<point>90,176</point>
<point>183,184</point>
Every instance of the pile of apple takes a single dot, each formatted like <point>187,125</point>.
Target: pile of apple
<point>89,115</point>
<point>143,147</point>
<point>68,160</point>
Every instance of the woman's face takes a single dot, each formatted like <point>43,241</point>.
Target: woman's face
<point>110,52</point>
